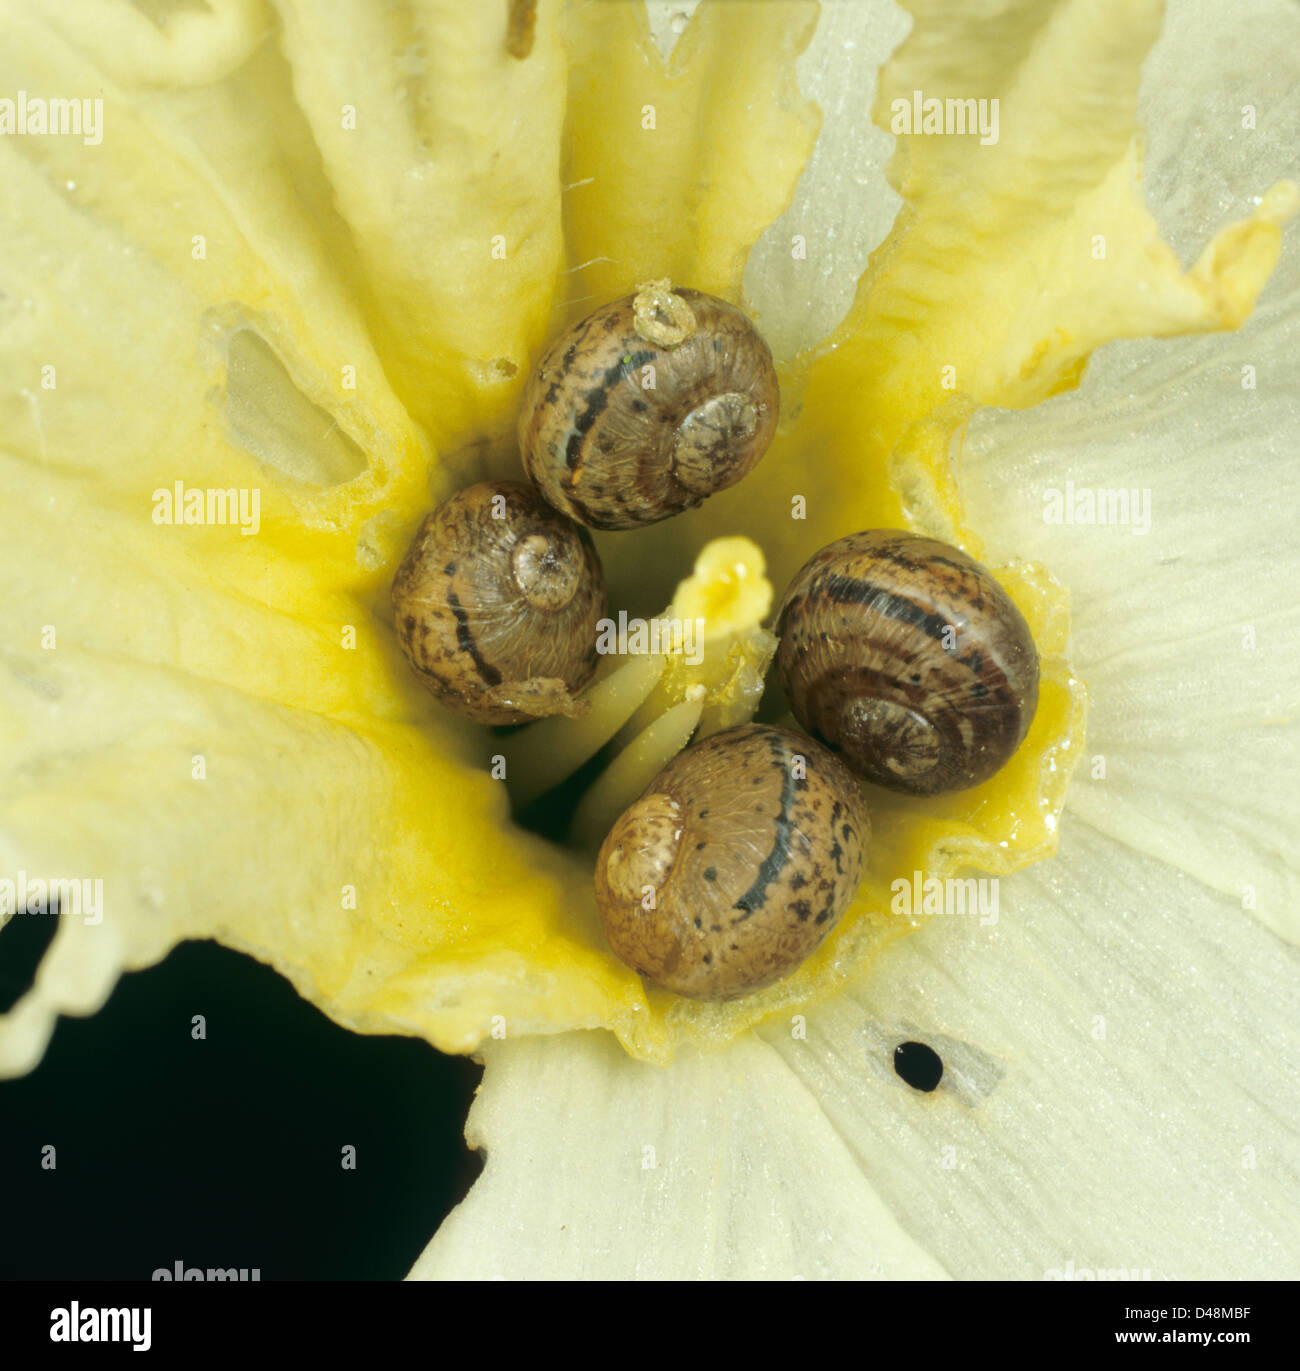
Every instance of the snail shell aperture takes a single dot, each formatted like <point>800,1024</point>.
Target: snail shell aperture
<point>906,656</point>
<point>648,406</point>
<point>497,604</point>
<point>737,861</point>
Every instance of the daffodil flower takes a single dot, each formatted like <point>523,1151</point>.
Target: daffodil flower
<point>276,294</point>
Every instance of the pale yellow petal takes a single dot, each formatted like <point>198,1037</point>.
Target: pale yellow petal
<point>442,150</point>
<point>717,1167</point>
<point>230,309</point>
<point>676,168</point>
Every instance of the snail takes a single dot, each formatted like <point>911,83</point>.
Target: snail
<point>735,863</point>
<point>906,656</point>
<point>647,406</point>
<point>497,604</point>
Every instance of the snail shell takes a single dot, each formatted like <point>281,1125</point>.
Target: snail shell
<point>735,863</point>
<point>906,656</point>
<point>647,406</point>
<point>497,603</point>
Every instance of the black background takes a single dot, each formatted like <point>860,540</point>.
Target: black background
<point>224,1152</point>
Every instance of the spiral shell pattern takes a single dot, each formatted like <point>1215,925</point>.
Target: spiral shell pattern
<point>734,865</point>
<point>906,656</point>
<point>497,603</point>
<point>648,406</point>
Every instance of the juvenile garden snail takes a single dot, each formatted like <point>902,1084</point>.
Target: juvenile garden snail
<point>906,656</point>
<point>737,861</point>
<point>647,406</point>
<point>497,603</point>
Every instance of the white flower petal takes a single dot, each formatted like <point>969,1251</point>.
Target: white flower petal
<point>1188,635</point>
<point>1117,1096</point>
<point>1120,1084</point>
<point>802,273</point>
<point>719,1166</point>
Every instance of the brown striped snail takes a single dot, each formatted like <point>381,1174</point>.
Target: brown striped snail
<point>497,604</point>
<point>647,406</point>
<point>906,656</point>
<point>737,861</point>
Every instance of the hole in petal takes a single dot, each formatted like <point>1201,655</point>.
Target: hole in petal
<point>380,540</point>
<point>669,19</point>
<point>493,372</point>
<point>274,421</point>
<point>919,1065</point>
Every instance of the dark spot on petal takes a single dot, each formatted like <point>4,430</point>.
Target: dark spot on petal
<point>919,1065</point>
